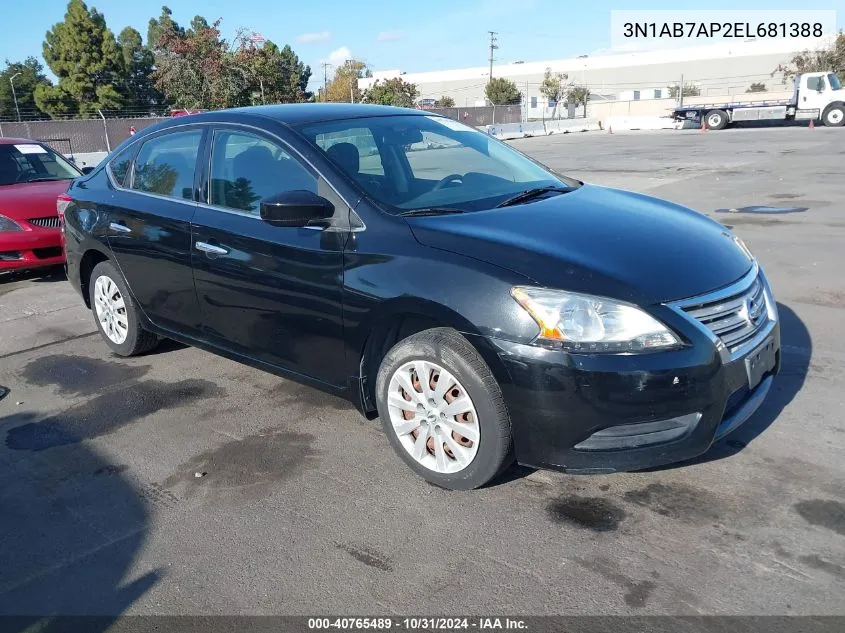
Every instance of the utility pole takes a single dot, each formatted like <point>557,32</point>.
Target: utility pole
<point>493,47</point>
<point>325,81</point>
<point>14,96</point>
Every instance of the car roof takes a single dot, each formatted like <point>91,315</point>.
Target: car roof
<point>299,113</point>
<point>6,140</point>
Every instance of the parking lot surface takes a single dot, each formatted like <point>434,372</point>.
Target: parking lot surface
<point>184,483</point>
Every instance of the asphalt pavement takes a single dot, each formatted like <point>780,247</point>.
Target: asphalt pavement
<point>183,483</point>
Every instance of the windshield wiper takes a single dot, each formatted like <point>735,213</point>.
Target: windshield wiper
<point>431,211</point>
<point>45,179</point>
<point>529,194</point>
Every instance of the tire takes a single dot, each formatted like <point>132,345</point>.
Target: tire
<point>461,463</point>
<point>834,116</point>
<point>716,119</point>
<point>131,340</point>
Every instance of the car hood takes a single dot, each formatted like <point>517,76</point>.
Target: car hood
<point>597,240</point>
<point>31,199</point>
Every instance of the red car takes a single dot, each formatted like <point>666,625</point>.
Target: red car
<point>32,177</point>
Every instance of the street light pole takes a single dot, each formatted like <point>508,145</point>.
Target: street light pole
<point>14,96</point>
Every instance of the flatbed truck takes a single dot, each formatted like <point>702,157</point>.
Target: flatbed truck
<point>815,97</point>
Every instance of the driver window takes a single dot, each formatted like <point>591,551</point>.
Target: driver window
<point>354,150</point>
<point>246,168</point>
<point>815,83</point>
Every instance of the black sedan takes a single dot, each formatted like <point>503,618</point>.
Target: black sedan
<point>485,308</point>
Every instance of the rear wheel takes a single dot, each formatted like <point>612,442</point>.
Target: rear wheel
<point>834,116</point>
<point>116,314</point>
<point>443,411</point>
<point>716,119</point>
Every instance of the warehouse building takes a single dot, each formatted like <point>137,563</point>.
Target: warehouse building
<point>716,70</point>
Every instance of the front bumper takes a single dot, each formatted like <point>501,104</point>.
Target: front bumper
<point>597,413</point>
<point>31,249</point>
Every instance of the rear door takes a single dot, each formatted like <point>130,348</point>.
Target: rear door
<point>149,225</point>
<point>268,292</point>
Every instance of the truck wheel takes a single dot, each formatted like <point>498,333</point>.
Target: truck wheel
<point>716,119</point>
<point>834,116</point>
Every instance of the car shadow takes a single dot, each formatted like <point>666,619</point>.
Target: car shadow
<point>796,353</point>
<point>72,523</point>
<point>37,275</point>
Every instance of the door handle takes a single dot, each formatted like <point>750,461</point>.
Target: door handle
<point>211,249</point>
<point>119,228</point>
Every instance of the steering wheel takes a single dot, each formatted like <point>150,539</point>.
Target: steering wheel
<point>445,181</point>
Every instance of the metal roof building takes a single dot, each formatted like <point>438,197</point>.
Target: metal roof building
<point>726,68</point>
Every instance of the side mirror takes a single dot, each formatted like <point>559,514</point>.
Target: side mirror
<point>87,170</point>
<point>295,208</point>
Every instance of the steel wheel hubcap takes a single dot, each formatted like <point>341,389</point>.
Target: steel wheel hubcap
<point>714,120</point>
<point>433,416</point>
<point>110,309</point>
<point>835,116</point>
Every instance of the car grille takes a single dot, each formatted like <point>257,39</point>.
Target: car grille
<point>46,223</point>
<point>735,319</point>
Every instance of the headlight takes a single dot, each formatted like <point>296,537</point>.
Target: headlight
<point>8,226</point>
<point>584,323</point>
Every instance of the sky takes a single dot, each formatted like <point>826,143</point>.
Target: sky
<point>400,34</point>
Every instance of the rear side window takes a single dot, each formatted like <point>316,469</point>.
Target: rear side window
<point>246,169</point>
<point>165,165</point>
<point>120,164</point>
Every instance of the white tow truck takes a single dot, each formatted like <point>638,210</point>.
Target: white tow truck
<point>815,96</point>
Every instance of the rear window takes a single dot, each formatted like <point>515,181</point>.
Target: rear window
<point>120,164</point>
<point>32,162</point>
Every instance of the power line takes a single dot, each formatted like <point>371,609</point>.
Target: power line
<point>493,47</point>
<point>325,65</point>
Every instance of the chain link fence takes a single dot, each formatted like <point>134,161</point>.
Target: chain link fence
<point>98,135</point>
<point>78,136</point>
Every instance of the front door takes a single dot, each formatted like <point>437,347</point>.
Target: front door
<point>815,93</point>
<point>269,292</point>
<point>150,226</point>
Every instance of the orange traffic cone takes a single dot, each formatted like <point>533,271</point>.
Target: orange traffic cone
<point>610,129</point>
<point>812,124</point>
<point>703,128</point>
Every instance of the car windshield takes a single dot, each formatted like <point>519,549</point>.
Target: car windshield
<point>32,162</point>
<point>409,162</point>
<point>833,78</point>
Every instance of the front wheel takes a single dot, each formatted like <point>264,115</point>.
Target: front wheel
<point>716,119</point>
<point>116,314</point>
<point>443,410</point>
<point>834,116</point>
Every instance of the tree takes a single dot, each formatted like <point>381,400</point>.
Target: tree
<point>29,75</point>
<point>157,26</point>
<point>394,92</point>
<point>579,95</point>
<point>195,69</point>
<point>690,90</point>
<point>757,87</point>
<point>554,87</point>
<point>344,84</point>
<point>83,53</point>
<point>276,76</point>
<point>822,60</point>
<point>137,64</point>
<point>445,102</point>
<point>501,91</point>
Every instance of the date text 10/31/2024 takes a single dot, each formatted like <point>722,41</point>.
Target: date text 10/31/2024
<point>741,30</point>
<point>418,623</point>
